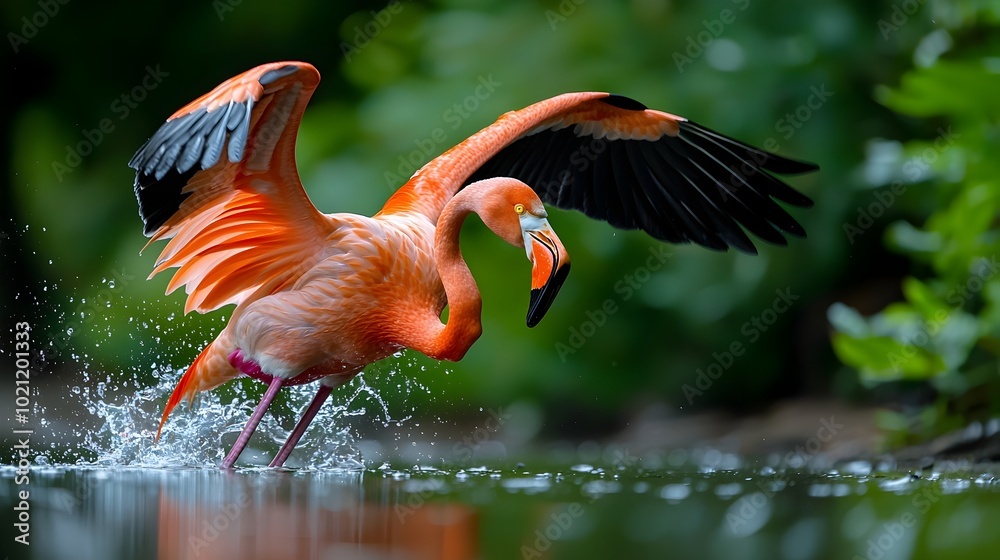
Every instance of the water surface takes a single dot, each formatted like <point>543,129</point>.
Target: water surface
<point>505,511</point>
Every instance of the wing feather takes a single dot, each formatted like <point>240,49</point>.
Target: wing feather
<point>613,159</point>
<point>218,180</point>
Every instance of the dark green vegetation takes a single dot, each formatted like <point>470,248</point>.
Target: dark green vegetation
<point>944,332</point>
<point>899,112</point>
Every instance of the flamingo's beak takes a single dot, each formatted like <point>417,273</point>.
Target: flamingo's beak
<point>550,266</point>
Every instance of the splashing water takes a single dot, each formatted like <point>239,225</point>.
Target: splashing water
<point>201,435</point>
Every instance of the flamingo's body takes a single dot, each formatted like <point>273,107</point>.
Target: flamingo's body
<point>320,296</point>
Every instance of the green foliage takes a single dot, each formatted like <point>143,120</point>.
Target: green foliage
<point>944,331</point>
<point>748,69</point>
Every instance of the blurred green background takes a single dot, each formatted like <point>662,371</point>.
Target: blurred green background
<point>861,88</point>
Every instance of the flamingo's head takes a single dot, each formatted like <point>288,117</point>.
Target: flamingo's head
<point>516,214</point>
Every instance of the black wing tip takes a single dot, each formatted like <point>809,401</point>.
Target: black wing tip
<point>622,102</point>
<point>179,149</point>
<point>749,250</point>
<point>187,144</point>
<point>789,166</point>
<point>272,76</point>
<point>764,159</point>
<point>159,199</point>
<point>804,202</point>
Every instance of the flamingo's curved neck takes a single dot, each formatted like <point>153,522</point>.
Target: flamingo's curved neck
<point>464,303</point>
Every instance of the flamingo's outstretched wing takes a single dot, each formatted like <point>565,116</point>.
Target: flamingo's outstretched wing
<point>613,159</point>
<point>219,180</point>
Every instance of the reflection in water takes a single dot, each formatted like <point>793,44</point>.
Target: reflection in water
<point>262,516</point>
<point>584,511</point>
<point>254,514</point>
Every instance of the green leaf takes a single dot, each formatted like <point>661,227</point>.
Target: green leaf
<point>958,88</point>
<point>906,238</point>
<point>881,358</point>
<point>923,298</point>
<point>847,320</point>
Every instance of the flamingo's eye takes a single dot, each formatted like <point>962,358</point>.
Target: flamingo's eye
<point>519,208</point>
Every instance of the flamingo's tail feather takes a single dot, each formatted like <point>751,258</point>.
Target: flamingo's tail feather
<point>209,370</point>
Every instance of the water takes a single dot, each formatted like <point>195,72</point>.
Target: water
<point>98,487</point>
<point>117,495</point>
<point>503,511</point>
<point>199,435</point>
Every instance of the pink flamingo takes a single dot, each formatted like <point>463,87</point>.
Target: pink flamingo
<point>321,296</point>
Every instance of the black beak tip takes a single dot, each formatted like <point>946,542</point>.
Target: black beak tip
<point>542,298</point>
<point>535,313</point>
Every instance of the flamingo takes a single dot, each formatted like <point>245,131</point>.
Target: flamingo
<point>320,296</point>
